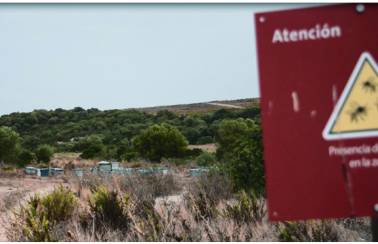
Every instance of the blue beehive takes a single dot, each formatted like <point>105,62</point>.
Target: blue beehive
<point>30,170</point>
<point>56,171</point>
<point>104,167</point>
<point>44,172</point>
<point>115,166</point>
<point>198,171</point>
<point>79,172</point>
<point>161,170</point>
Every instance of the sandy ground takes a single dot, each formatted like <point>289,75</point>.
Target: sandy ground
<point>226,105</point>
<point>16,190</point>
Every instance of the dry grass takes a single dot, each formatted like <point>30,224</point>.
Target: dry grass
<point>211,148</point>
<point>71,160</point>
<point>157,208</point>
<point>12,199</point>
<point>201,108</point>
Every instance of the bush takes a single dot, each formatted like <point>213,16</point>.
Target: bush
<point>91,147</point>
<point>205,140</point>
<point>125,151</point>
<point>126,214</point>
<point>206,193</point>
<point>246,168</point>
<point>41,214</point>
<point>240,149</point>
<point>59,205</point>
<point>159,141</point>
<point>108,208</point>
<point>44,153</point>
<point>26,157</point>
<point>248,208</point>
<point>9,145</point>
<point>318,231</point>
<point>206,159</point>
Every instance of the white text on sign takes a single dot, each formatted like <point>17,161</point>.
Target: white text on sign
<point>314,33</point>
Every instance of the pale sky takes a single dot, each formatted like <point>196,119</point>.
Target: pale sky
<point>126,55</point>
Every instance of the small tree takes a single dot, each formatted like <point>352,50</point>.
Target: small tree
<point>25,157</point>
<point>160,141</point>
<point>91,147</point>
<point>230,133</point>
<point>240,148</point>
<point>125,150</point>
<point>9,144</point>
<point>206,159</point>
<point>44,153</point>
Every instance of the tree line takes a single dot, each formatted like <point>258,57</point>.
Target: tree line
<point>130,134</point>
<point>72,130</point>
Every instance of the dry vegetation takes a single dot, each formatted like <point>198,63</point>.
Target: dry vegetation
<point>201,108</point>
<point>163,208</point>
<point>15,190</point>
<point>211,147</point>
<point>65,160</point>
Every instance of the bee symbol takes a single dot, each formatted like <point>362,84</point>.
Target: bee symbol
<point>358,113</point>
<point>369,85</point>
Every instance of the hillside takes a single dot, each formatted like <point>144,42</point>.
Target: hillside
<point>61,128</point>
<point>205,107</point>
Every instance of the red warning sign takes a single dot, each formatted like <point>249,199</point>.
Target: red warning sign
<point>318,76</point>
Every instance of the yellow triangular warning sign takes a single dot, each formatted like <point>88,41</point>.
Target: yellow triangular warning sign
<point>356,112</point>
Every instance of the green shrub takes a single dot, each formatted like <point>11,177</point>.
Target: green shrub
<point>59,205</point>
<point>26,157</point>
<point>36,226</point>
<point>206,159</point>
<point>9,145</point>
<point>44,153</point>
<point>109,208</point>
<point>42,214</point>
<point>160,140</point>
<point>240,149</point>
<point>91,147</point>
<point>125,151</point>
<point>205,140</point>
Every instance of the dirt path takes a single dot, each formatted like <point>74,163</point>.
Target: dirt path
<point>15,191</point>
<point>226,105</point>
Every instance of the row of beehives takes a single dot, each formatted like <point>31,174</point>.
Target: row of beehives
<point>44,172</point>
<point>105,167</point>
